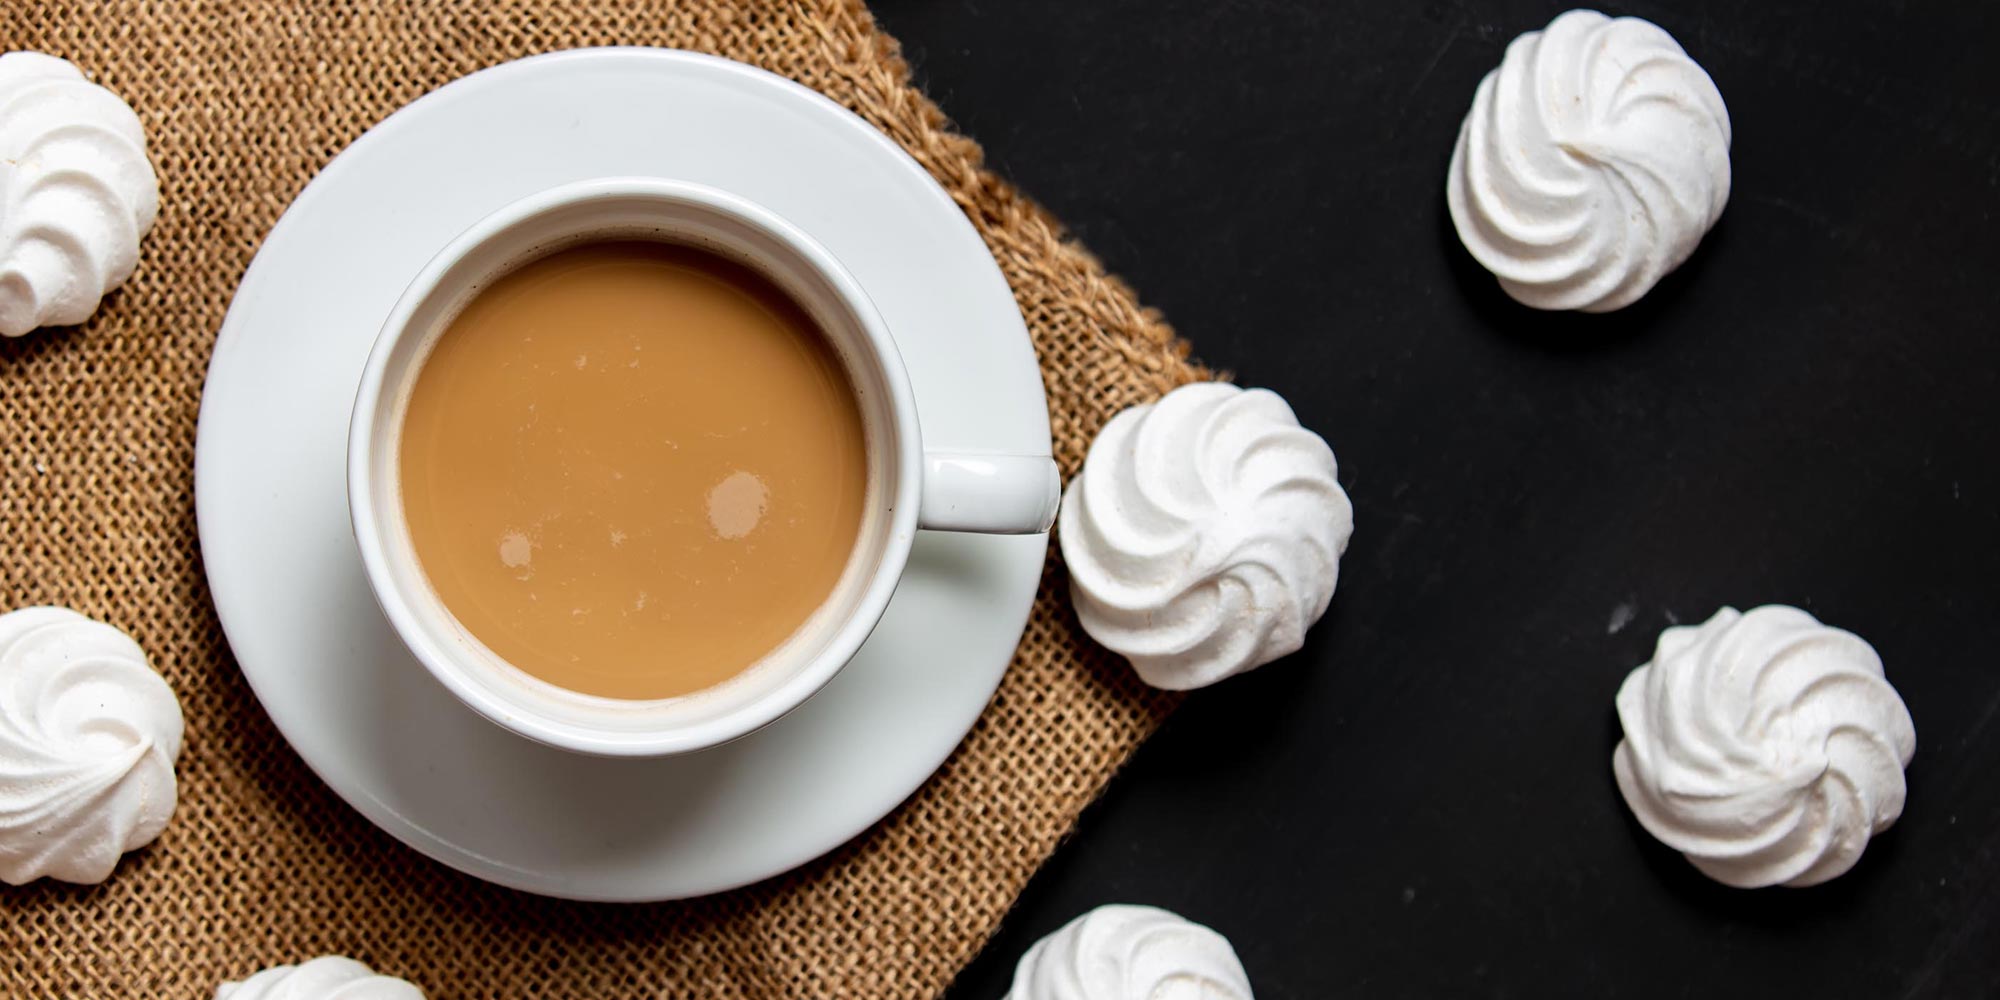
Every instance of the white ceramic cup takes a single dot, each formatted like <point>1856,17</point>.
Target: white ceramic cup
<point>908,488</point>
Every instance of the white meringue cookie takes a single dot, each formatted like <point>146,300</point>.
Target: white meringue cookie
<point>1204,534</point>
<point>88,739</point>
<point>327,978</point>
<point>1131,953</point>
<point>76,192</point>
<point>1593,160</point>
<point>1765,746</point>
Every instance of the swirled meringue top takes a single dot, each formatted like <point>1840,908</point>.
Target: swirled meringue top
<point>76,192</point>
<point>88,739</point>
<point>1593,160</point>
<point>1765,746</point>
<point>1204,534</point>
<point>327,978</point>
<point>1131,953</point>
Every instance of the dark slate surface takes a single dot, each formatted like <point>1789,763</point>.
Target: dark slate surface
<point>1420,803</point>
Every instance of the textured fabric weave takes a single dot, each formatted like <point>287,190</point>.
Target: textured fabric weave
<point>243,103</point>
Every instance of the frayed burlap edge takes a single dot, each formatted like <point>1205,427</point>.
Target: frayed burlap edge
<point>262,864</point>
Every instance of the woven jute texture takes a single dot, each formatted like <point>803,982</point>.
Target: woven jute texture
<point>243,103</point>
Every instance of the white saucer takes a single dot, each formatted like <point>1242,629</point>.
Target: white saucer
<point>287,579</point>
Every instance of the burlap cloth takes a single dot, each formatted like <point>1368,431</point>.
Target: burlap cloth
<point>243,103</point>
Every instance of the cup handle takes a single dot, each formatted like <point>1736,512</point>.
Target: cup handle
<point>989,494</point>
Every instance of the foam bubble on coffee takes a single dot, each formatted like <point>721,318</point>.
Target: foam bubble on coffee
<point>736,504</point>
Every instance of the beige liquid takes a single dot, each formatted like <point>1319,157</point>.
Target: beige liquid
<point>632,469</point>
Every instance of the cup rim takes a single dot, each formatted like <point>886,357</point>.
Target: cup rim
<point>900,495</point>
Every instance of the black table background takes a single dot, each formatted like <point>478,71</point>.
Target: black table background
<point>1420,803</point>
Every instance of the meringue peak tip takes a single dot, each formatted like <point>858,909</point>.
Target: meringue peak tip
<point>1763,745</point>
<point>1204,533</point>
